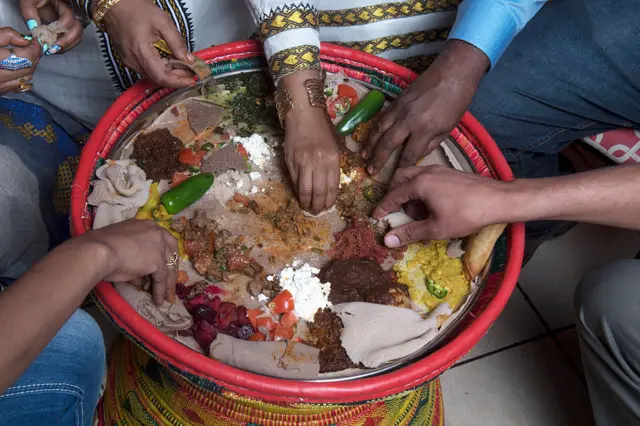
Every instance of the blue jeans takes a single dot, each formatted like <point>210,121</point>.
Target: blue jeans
<point>572,72</point>
<point>63,384</point>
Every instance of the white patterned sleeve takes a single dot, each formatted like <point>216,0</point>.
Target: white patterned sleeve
<point>289,32</point>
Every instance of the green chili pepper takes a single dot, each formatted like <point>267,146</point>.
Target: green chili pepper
<point>436,289</point>
<point>207,146</point>
<point>188,192</point>
<point>194,169</point>
<point>362,112</point>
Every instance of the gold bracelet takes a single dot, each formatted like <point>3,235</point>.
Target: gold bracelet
<point>315,94</point>
<point>284,104</point>
<point>101,10</point>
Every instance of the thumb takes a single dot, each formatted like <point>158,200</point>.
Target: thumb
<point>176,43</point>
<point>410,233</point>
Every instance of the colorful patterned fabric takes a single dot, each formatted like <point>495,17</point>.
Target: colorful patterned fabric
<point>140,391</point>
<point>47,154</point>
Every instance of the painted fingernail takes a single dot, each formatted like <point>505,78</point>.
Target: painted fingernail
<point>53,50</point>
<point>45,47</point>
<point>391,241</point>
<point>31,24</point>
<point>27,37</point>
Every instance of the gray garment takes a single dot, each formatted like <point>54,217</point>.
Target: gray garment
<point>608,308</point>
<point>24,239</point>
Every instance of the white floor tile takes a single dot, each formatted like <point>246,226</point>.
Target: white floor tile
<point>516,323</point>
<point>529,385</point>
<point>551,277</point>
<point>109,331</point>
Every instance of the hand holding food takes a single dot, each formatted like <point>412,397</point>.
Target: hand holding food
<point>53,24</point>
<point>135,249</point>
<point>458,204</point>
<point>425,113</point>
<point>18,60</point>
<point>135,26</point>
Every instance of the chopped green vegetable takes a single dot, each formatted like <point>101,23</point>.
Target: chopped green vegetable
<point>436,289</point>
<point>373,193</point>
<point>186,193</point>
<point>194,169</point>
<point>361,113</point>
<point>207,146</point>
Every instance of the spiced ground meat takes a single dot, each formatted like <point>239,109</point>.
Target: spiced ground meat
<point>214,252</point>
<point>324,334</point>
<point>363,280</point>
<point>157,154</point>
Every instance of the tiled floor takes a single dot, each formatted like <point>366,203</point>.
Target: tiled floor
<point>527,369</point>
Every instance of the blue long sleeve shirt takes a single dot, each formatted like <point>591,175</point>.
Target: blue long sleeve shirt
<point>491,25</point>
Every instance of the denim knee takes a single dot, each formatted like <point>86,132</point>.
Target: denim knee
<point>64,382</point>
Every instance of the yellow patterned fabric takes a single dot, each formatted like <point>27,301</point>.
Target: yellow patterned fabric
<point>288,17</point>
<point>140,391</point>
<point>403,41</point>
<point>295,59</point>
<point>417,64</point>
<point>29,131</point>
<point>62,187</point>
<point>382,12</point>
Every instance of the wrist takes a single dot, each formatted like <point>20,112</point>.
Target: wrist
<point>463,62</point>
<point>95,254</point>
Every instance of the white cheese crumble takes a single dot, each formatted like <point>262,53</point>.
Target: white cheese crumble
<point>262,298</point>
<point>254,175</point>
<point>258,150</point>
<point>309,294</point>
<point>269,277</point>
<point>254,189</point>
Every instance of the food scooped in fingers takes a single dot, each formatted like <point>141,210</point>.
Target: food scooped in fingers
<point>268,287</point>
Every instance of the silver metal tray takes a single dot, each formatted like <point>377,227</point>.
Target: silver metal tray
<point>442,337</point>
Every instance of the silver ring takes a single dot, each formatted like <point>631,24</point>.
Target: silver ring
<point>14,62</point>
<point>173,260</point>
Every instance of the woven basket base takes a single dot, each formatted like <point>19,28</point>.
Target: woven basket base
<point>142,391</point>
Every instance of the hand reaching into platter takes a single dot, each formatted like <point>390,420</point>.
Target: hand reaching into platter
<point>40,12</point>
<point>310,148</point>
<point>134,26</point>
<point>457,203</point>
<point>134,249</point>
<point>425,113</point>
<point>11,41</point>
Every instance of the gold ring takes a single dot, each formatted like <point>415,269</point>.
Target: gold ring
<point>24,86</point>
<point>173,260</point>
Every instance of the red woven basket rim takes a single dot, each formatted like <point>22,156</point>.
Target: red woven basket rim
<point>274,389</point>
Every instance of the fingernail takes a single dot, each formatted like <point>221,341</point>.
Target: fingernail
<point>53,50</point>
<point>364,153</point>
<point>391,241</point>
<point>31,24</point>
<point>27,37</point>
<point>370,170</point>
<point>190,57</point>
<point>45,47</point>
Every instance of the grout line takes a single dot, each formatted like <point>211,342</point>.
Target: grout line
<point>566,356</point>
<point>505,348</point>
<point>527,299</point>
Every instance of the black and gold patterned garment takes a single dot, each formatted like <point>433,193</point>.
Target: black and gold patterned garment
<point>410,32</point>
